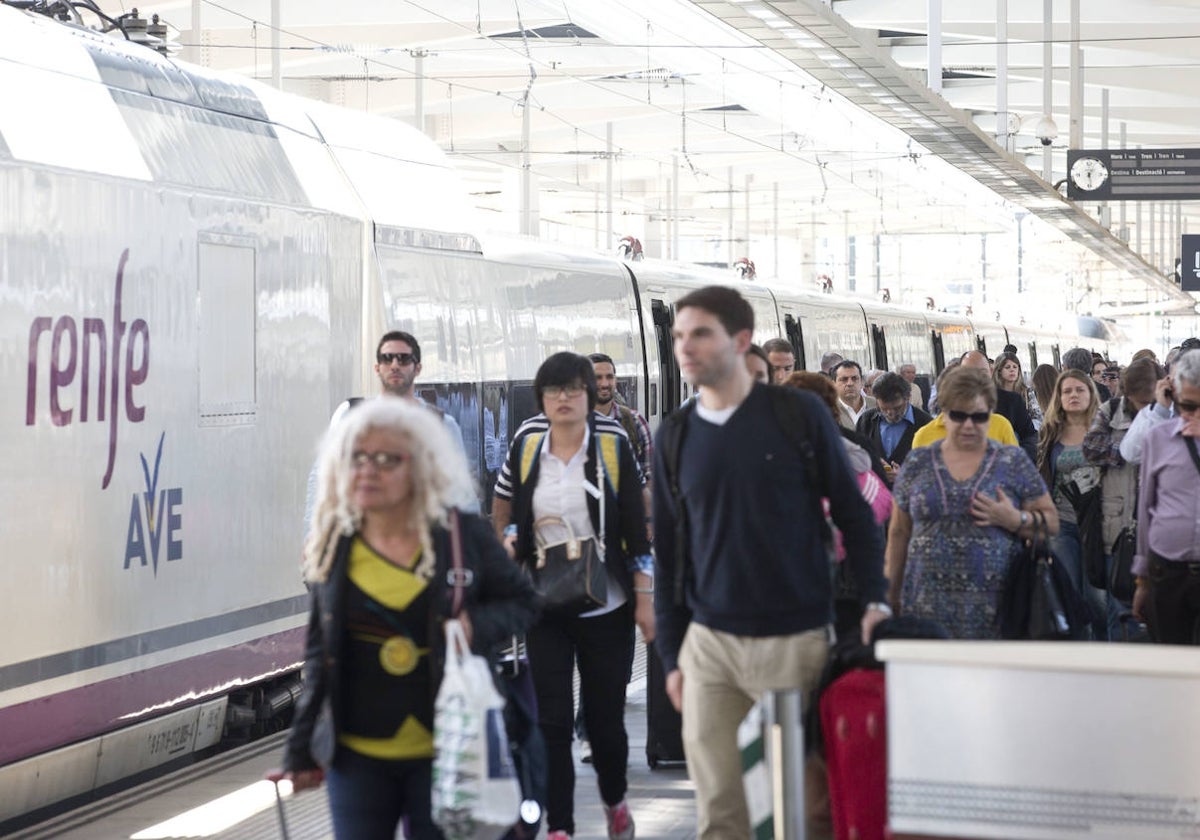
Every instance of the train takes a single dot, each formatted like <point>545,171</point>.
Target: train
<point>196,269</point>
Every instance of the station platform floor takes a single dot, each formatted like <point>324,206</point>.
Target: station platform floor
<point>225,798</point>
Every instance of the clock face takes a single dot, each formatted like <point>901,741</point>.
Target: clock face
<point>1088,173</point>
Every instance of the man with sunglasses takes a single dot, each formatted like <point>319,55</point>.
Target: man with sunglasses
<point>397,363</point>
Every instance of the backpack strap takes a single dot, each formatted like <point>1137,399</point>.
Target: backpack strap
<point>531,444</point>
<point>793,421</point>
<point>671,445</point>
<point>610,457</point>
<point>630,425</point>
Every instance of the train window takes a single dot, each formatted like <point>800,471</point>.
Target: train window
<point>227,325</point>
<point>1033,360</point>
<point>1057,354</point>
<point>496,435</point>
<point>461,402</point>
<point>522,404</point>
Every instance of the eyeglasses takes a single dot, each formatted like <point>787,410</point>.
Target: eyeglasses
<point>386,461</point>
<point>405,359</point>
<point>556,391</point>
<point>1187,407</point>
<point>979,418</point>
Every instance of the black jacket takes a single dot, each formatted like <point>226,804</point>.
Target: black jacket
<point>625,513</point>
<point>498,598</point>
<point>1011,407</point>
<point>868,427</point>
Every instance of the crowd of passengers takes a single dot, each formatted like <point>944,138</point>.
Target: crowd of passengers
<point>769,497</point>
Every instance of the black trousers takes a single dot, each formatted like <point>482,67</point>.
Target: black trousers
<point>600,647</point>
<point>1173,608</point>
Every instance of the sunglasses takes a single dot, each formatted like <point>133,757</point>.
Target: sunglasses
<point>405,359</point>
<point>979,418</point>
<point>1187,407</point>
<point>386,461</point>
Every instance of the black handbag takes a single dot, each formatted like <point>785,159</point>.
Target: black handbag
<point>570,573</point>
<point>1039,600</point>
<point>1120,581</point>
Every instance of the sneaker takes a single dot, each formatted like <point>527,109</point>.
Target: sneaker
<point>620,821</point>
<point>558,835</point>
<point>585,752</point>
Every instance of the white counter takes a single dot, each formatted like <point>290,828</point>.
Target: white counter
<point>1031,740</point>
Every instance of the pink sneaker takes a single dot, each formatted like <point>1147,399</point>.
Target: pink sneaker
<point>558,835</point>
<point>620,821</point>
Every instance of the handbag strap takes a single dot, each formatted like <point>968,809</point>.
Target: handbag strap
<point>1191,445</point>
<point>456,554</point>
<point>601,486</point>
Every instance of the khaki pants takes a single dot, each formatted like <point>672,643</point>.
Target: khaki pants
<point>723,676</point>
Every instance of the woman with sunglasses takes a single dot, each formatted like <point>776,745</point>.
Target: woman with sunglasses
<point>380,557</point>
<point>1008,377</point>
<point>1064,466</point>
<point>960,505</point>
<point>571,465</point>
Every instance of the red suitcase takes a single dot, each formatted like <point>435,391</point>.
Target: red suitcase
<point>854,724</point>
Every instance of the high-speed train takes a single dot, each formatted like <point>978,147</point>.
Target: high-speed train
<point>194,270</point>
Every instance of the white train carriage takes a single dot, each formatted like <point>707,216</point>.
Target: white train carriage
<point>195,270</point>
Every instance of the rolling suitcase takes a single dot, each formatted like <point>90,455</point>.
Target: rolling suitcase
<point>854,723</point>
<point>664,726</point>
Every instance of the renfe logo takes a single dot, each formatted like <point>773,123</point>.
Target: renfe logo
<point>65,358</point>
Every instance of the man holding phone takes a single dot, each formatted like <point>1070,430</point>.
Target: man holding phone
<point>1159,411</point>
<point>891,425</point>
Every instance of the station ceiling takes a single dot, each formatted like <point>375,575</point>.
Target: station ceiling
<point>727,123</point>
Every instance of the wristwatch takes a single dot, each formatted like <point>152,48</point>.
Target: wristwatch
<point>880,606</point>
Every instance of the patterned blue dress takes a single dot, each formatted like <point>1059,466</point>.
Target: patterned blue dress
<point>955,569</point>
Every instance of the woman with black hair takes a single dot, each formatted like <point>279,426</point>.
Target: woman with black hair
<point>568,467</point>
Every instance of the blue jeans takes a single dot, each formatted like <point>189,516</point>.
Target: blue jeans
<point>1067,549</point>
<point>369,797</point>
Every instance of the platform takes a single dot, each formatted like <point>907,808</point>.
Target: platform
<point>225,799</point>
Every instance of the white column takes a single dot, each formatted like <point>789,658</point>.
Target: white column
<point>276,51</point>
<point>527,226</point>
<point>934,49</point>
<point>1002,136</point>
<point>729,219</point>
<point>609,244</point>
<point>1075,134</point>
<point>419,95</point>
<point>1047,79</point>
<point>1105,210</point>
<point>196,51</point>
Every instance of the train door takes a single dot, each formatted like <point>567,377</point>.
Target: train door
<point>668,371</point>
<point>879,340</point>
<point>1054,351</point>
<point>1033,359</point>
<point>795,336</point>
<point>939,352</point>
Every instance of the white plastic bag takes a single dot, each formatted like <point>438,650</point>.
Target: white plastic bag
<point>475,790</point>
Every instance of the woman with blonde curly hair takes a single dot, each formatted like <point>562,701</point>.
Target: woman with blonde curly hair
<point>380,558</point>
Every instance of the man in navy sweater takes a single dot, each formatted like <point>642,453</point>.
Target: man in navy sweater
<point>752,611</point>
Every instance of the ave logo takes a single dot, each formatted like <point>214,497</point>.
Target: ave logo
<point>150,514</point>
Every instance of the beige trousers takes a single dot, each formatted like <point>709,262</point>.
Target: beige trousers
<point>723,676</point>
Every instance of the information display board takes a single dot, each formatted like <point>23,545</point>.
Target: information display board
<point>1189,263</point>
<point>1133,174</point>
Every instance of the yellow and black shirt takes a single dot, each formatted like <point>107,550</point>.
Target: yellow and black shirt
<point>386,679</point>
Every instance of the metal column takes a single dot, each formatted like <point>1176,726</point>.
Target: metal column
<point>276,52</point>
<point>1075,134</point>
<point>1002,134</point>
<point>1047,80</point>
<point>934,49</point>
